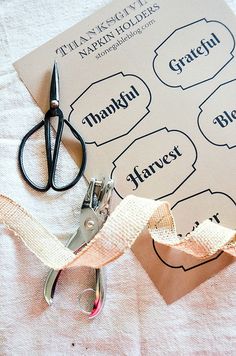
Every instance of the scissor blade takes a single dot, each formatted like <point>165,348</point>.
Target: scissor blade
<point>75,243</point>
<point>54,90</point>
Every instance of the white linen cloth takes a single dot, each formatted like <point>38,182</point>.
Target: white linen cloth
<point>135,320</point>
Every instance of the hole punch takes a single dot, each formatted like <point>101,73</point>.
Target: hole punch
<point>94,212</point>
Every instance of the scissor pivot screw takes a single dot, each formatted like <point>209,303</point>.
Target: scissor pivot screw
<point>89,224</point>
<point>54,104</point>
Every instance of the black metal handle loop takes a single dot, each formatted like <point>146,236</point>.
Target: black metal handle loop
<point>83,163</point>
<point>21,159</point>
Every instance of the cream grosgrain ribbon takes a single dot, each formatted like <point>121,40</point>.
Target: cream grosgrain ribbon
<point>120,231</point>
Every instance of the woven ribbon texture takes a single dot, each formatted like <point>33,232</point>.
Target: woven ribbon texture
<point>118,234</point>
<point>120,231</point>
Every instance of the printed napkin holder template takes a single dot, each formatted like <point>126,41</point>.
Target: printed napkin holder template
<point>151,85</point>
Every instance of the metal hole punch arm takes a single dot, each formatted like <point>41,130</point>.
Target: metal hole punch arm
<point>52,158</point>
<point>94,213</point>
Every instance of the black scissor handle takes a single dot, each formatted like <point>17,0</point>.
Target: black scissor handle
<point>83,163</point>
<point>82,166</point>
<point>52,158</point>
<point>21,159</point>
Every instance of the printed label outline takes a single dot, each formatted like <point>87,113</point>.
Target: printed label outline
<point>201,263</point>
<point>151,133</point>
<point>201,111</point>
<point>101,80</point>
<point>203,81</point>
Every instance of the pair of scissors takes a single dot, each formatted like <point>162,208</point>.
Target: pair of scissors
<point>94,212</point>
<point>52,153</point>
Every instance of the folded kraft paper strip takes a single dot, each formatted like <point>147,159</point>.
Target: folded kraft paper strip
<point>118,234</point>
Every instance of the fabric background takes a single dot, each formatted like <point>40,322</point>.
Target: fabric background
<point>135,320</point>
